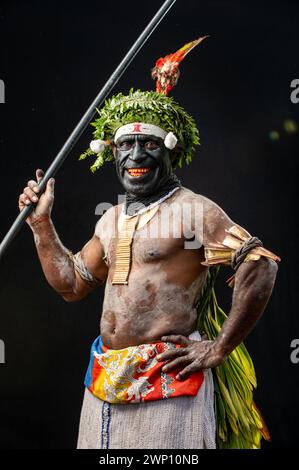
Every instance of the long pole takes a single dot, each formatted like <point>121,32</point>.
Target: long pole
<point>87,117</point>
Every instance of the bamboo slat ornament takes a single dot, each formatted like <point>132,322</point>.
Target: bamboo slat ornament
<point>123,255</point>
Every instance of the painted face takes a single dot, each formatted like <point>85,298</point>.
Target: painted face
<point>143,163</point>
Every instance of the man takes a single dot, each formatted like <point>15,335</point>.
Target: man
<point>149,381</point>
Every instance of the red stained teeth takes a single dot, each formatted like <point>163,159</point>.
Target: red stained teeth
<point>138,171</point>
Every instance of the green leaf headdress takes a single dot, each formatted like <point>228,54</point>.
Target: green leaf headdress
<point>151,107</point>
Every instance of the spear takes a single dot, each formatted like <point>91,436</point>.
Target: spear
<point>87,117</point>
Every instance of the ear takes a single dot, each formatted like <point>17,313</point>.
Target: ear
<point>113,146</point>
<point>175,155</point>
<point>172,154</point>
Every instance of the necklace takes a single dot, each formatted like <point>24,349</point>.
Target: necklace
<point>128,224</point>
<point>150,206</point>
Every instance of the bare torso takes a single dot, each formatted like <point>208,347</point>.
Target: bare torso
<point>165,282</point>
<point>166,278</point>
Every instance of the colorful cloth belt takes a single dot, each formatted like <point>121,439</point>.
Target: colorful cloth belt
<point>134,375</point>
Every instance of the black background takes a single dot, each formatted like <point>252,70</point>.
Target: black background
<point>54,58</point>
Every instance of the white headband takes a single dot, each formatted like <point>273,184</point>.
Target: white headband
<point>139,128</point>
<point>136,128</point>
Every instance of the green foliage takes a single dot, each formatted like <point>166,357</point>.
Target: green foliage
<point>239,423</point>
<point>144,106</point>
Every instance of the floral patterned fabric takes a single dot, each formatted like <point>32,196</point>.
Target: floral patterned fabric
<point>134,375</point>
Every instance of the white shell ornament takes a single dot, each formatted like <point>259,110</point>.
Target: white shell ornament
<point>170,141</point>
<point>97,146</point>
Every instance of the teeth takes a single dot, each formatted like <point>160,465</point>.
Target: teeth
<point>138,171</point>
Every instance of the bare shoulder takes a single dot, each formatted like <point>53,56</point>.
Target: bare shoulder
<point>211,209</point>
<point>214,220</point>
<point>184,195</point>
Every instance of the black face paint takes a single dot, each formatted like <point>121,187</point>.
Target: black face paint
<point>143,166</point>
<point>143,163</point>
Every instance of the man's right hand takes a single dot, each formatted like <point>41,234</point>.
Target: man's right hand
<point>43,202</point>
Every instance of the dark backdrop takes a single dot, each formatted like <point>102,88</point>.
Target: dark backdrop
<point>54,58</point>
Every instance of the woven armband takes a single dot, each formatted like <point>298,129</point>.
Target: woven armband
<point>242,252</point>
<point>82,269</point>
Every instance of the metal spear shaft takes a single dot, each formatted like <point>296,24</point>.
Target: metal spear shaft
<point>87,117</point>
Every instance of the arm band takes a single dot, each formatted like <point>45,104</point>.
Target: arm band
<point>82,269</point>
<point>236,248</point>
<point>240,254</point>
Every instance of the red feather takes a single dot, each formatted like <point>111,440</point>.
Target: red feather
<point>166,71</point>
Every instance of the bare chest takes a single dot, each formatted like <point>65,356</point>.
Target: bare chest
<point>147,247</point>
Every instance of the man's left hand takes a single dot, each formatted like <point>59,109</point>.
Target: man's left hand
<point>191,357</point>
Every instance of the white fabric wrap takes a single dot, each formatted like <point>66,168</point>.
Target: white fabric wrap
<point>174,423</point>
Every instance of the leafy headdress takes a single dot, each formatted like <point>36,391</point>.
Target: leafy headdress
<point>151,112</point>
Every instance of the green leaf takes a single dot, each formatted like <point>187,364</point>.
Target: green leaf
<point>150,107</point>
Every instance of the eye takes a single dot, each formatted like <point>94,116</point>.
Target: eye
<point>125,145</point>
<point>151,145</point>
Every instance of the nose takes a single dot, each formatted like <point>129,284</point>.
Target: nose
<point>137,154</point>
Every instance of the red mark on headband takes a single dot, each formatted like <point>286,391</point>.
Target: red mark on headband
<point>137,128</point>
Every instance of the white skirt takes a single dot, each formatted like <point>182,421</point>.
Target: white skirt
<point>174,423</point>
